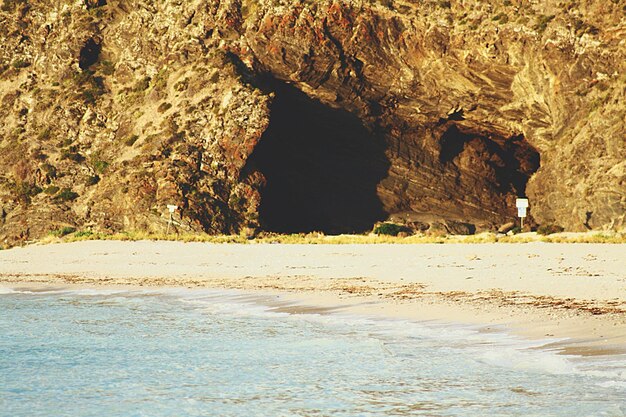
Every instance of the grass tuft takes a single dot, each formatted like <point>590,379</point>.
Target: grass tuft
<point>71,235</point>
<point>64,231</point>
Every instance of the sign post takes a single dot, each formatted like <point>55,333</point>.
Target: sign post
<point>522,206</point>
<point>172,209</point>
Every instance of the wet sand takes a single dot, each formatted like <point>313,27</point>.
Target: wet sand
<point>573,294</point>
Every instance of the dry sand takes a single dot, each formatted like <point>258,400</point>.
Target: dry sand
<point>541,290</point>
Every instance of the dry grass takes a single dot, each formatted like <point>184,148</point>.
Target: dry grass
<point>321,239</point>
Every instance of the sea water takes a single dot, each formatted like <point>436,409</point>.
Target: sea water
<point>206,353</point>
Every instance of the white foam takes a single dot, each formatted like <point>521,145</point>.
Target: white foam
<point>527,360</point>
<point>92,292</point>
<point>4,290</point>
<point>500,349</point>
<point>613,384</point>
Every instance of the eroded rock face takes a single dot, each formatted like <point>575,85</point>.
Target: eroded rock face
<point>445,113</point>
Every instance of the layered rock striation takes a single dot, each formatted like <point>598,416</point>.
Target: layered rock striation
<point>294,116</point>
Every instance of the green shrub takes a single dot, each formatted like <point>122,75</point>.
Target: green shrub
<point>181,85</point>
<point>20,63</point>
<point>164,107</point>
<point>52,190</point>
<point>44,134</point>
<point>582,28</point>
<point>72,155</point>
<point>24,191</point>
<point>92,87</point>
<point>90,96</point>
<point>549,229</point>
<point>130,141</point>
<point>107,67</point>
<point>100,166</point>
<point>66,194</point>
<point>50,170</point>
<point>141,85</point>
<point>390,229</point>
<point>502,18</point>
<point>81,77</point>
<point>65,142</point>
<point>160,80</point>
<point>11,5</point>
<point>542,22</point>
<point>83,233</point>
<point>39,155</point>
<point>92,180</point>
<point>64,231</point>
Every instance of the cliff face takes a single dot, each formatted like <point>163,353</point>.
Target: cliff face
<point>296,116</point>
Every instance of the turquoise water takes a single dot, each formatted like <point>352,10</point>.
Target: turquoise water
<point>204,353</point>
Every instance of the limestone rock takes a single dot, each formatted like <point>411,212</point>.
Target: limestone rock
<point>300,116</point>
<point>507,227</point>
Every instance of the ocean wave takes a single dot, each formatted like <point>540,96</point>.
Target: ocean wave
<point>4,290</point>
<point>500,348</point>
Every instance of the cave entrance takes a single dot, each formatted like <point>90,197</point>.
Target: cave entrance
<point>321,165</point>
<point>89,54</point>
<point>502,166</point>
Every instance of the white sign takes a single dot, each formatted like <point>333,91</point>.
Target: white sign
<point>522,205</point>
<point>172,208</point>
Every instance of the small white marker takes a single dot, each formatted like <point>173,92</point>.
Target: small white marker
<point>522,206</point>
<point>172,209</point>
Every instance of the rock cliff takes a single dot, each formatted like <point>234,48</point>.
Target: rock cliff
<point>325,115</point>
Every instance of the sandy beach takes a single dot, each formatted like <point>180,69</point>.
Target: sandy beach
<point>573,294</point>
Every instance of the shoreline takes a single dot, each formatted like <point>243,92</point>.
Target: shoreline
<point>538,290</point>
<point>580,336</point>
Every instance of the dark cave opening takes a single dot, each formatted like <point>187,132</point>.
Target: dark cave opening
<point>322,167</point>
<point>92,4</point>
<point>505,163</point>
<point>89,54</point>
